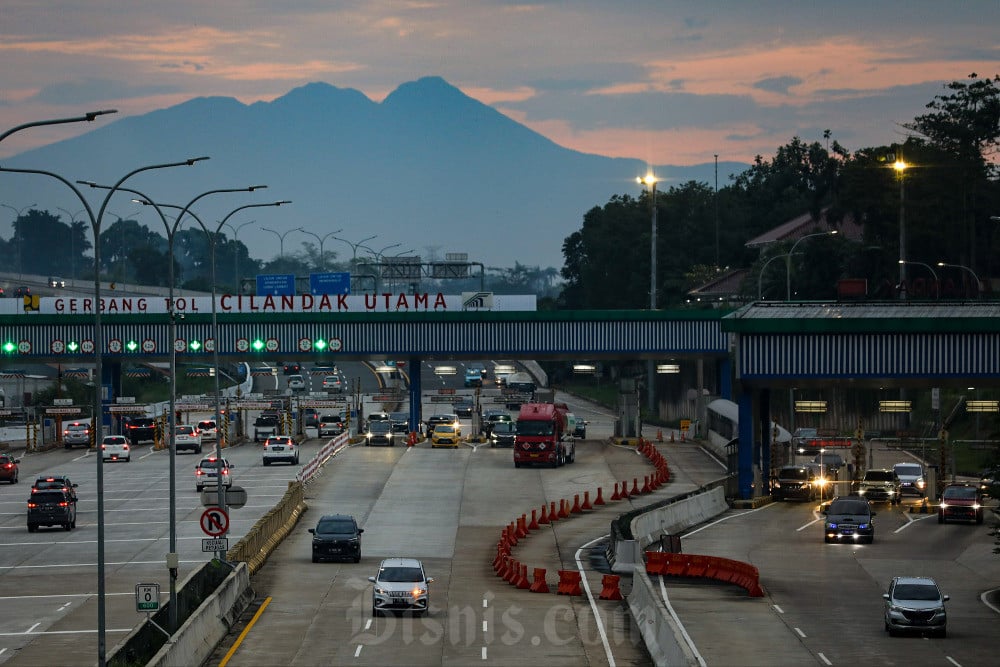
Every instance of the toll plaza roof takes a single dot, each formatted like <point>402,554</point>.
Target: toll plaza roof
<point>795,317</point>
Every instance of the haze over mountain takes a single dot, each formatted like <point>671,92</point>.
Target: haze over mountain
<point>428,168</point>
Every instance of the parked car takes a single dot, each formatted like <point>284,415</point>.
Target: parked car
<point>210,470</point>
<point>401,584</point>
<point>796,481</point>
<point>209,430</point>
<point>51,507</point>
<point>76,434</point>
<point>9,469</point>
<point>911,478</point>
<point>380,432</point>
<point>280,448</point>
<point>57,482</point>
<point>330,425</point>
<point>187,437</point>
<point>915,604</point>
<point>880,485</point>
<point>446,435</point>
<point>336,536</point>
<point>849,519</point>
<point>961,502</point>
<point>115,448</point>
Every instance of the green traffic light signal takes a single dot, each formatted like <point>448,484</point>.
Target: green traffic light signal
<point>257,344</point>
<point>194,346</point>
<point>72,346</point>
<point>10,347</point>
<point>131,346</point>
<point>320,345</point>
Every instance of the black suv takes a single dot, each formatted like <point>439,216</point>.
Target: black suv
<point>54,483</point>
<point>336,536</point>
<point>796,481</point>
<point>140,429</point>
<point>51,507</point>
<point>849,519</point>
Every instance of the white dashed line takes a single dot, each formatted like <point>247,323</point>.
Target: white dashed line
<point>368,624</point>
<point>824,659</point>
<point>357,652</point>
<point>484,627</point>
<point>29,630</point>
<point>800,633</point>
<point>952,661</point>
<point>778,609</point>
<point>484,653</point>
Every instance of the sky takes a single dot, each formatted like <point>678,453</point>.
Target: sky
<point>668,82</point>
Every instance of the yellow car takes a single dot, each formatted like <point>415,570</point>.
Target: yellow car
<point>446,435</point>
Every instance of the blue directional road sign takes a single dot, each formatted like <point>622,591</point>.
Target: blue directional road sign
<point>330,283</point>
<point>276,284</point>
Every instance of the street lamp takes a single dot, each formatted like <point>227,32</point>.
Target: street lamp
<point>760,276</point>
<point>900,166</point>
<point>72,240</point>
<point>378,259</point>
<point>20,241</point>
<point>95,222</point>
<point>649,180</point>
<point>321,240</point>
<point>171,231</point>
<point>236,252</point>
<point>979,284</point>
<point>87,117</point>
<point>937,289</point>
<point>788,260</point>
<point>281,236</point>
<point>354,253</point>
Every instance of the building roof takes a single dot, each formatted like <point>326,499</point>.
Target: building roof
<point>724,286</point>
<point>804,224</point>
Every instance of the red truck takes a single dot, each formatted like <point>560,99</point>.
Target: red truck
<point>541,435</point>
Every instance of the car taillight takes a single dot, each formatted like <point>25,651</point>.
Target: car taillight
<point>32,505</point>
<point>64,504</point>
<point>199,472</point>
<point>225,471</point>
<point>125,447</point>
<point>103,446</point>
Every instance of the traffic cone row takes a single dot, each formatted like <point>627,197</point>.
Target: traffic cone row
<point>515,573</point>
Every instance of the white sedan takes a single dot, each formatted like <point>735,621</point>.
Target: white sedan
<point>115,448</point>
<point>209,430</point>
<point>280,448</point>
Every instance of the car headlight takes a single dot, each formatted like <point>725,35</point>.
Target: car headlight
<point>831,526</point>
<point>417,591</point>
<point>861,492</point>
<point>777,485</point>
<point>920,482</point>
<point>976,506</point>
<point>944,505</point>
<point>862,526</point>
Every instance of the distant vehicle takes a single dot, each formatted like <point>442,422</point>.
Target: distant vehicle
<point>989,482</point>
<point>115,448</point>
<point>51,507</point>
<point>502,434</point>
<point>9,470</point>
<point>541,428</point>
<point>493,417</point>
<point>380,433</point>
<point>333,383</point>
<point>473,377</point>
<point>336,536</point>
<point>296,382</point>
<point>442,418</point>
<point>830,461</point>
<point>464,408</point>
<point>401,585</point>
<point>187,437</point>
<point>76,433</point>
<point>911,478</point>
<point>849,519</point>
<point>400,422</point>
<point>291,368</point>
<point>207,473</point>
<point>58,482</point>
<point>961,502</point>
<point>801,436</point>
<point>581,429</point>
<point>22,291</point>
<point>56,282</point>
<point>280,448</point>
<point>310,417</point>
<point>330,425</point>
<point>880,485</point>
<point>140,429</point>
<point>521,382</point>
<point>796,481</point>
<point>209,430</point>
<point>264,427</point>
<point>915,604</point>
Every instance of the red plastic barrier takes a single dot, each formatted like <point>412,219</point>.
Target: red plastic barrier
<point>539,584</point>
<point>609,587</point>
<point>737,572</point>
<point>569,583</point>
<point>656,562</point>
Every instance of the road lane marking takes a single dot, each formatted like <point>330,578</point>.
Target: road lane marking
<point>246,631</point>
<point>135,562</point>
<point>593,605</point>
<point>778,609</point>
<point>357,652</point>
<point>910,522</point>
<point>368,624</point>
<point>727,518</point>
<point>811,523</point>
<point>800,633</point>
<point>952,661</point>
<point>62,632</point>
<point>485,630</point>
<point>62,608</point>
<point>680,626</point>
<point>29,630</point>
<point>484,653</point>
<point>824,659</point>
<point>485,603</point>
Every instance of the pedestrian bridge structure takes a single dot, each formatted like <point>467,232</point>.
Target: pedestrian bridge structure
<point>771,345</point>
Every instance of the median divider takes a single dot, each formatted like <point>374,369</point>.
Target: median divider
<point>265,535</point>
<point>706,567</point>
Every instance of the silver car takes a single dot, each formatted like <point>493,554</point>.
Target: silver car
<point>915,604</point>
<point>401,585</point>
<point>76,433</point>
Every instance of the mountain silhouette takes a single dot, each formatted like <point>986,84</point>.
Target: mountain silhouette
<point>429,168</point>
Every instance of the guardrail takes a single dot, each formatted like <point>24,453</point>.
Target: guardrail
<point>265,535</point>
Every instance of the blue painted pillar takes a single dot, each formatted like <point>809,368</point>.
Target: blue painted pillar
<point>414,364</point>
<point>767,441</point>
<point>111,382</point>
<point>726,378</point>
<point>744,459</point>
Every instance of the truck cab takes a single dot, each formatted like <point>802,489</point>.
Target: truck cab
<point>542,430</point>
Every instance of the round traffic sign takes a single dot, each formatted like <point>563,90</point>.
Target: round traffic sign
<point>214,522</point>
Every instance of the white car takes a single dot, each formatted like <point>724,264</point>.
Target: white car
<point>296,382</point>
<point>206,473</point>
<point>280,448</point>
<point>401,585</point>
<point>115,448</point>
<point>333,383</point>
<point>187,437</point>
<point>209,430</point>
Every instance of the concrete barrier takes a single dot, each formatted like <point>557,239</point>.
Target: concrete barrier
<point>265,535</point>
<point>659,630</point>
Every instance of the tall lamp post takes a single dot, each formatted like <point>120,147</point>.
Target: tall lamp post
<point>979,284</point>
<point>95,222</point>
<point>72,240</point>
<point>937,289</point>
<point>354,252</point>
<point>236,251</point>
<point>900,166</point>
<point>173,560</point>
<point>788,260</point>
<point>650,180</point>
<point>378,259</point>
<point>281,236</point>
<point>321,240</point>
<point>19,212</point>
